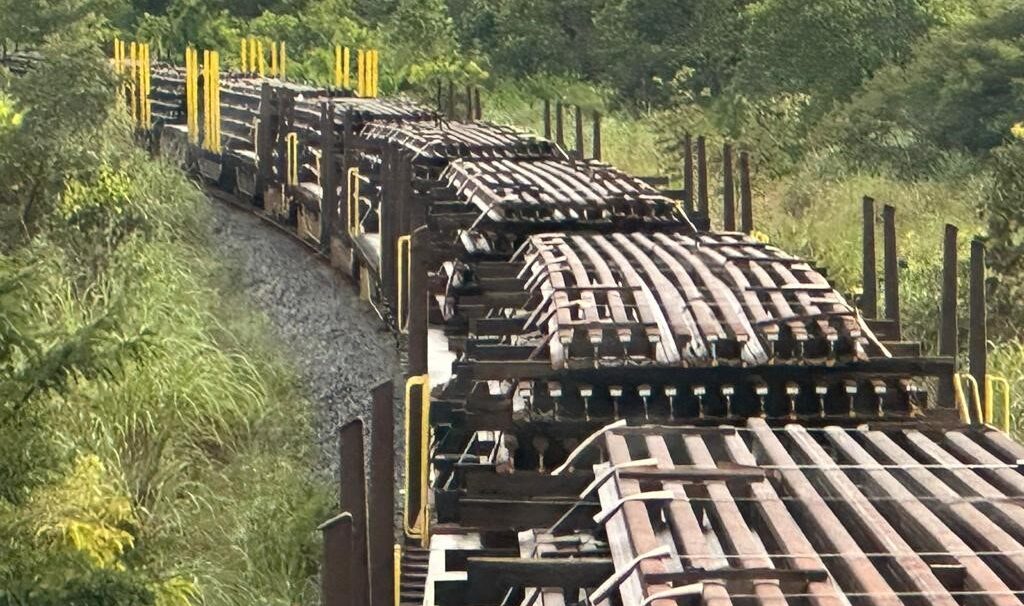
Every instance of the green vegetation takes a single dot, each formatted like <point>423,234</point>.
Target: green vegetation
<point>137,403</point>
<point>153,448</point>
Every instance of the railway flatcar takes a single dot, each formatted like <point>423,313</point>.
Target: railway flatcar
<point>607,402</point>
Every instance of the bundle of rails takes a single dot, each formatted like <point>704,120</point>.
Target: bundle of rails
<point>609,402</point>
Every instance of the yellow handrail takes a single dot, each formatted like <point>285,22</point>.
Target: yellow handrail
<point>423,532</point>
<point>407,274</point>
<point>961,397</point>
<point>398,574</point>
<point>353,201</point>
<point>990,382</point>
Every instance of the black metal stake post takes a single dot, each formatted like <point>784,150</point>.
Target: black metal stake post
<point>688,172</point>
<point>328,177</point>
<point>702,177</point>
<point>977,352</point>
<point>948,325</point>
<point>728,190</point>
<point>869,299</point>
<point>891,268</point>
<point>336,571</point>
<point>451,100</point>
<point>470,112</point>
<point>478,109</point>
<point>353,500</point>
<point>596,143</point>
<point>381,510</point>
<point>559,125</point>
<point>746,197</point>
<point>347,161</point>
<point>547,119</point>
<point>265,140</point>
<point>579,133</point>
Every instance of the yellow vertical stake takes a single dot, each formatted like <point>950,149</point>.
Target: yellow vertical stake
<point>216,101</point>
<point>360,73</point>
<point>261,63</point>
<point>133,53</point>
<point>252,55</point>
<point>207,135</point>
<point>346,62</point>
<point>284,61</point>
<point>243,59</point>
<point>273,58</point>
<point>376,72</point>
<point>337,65</point>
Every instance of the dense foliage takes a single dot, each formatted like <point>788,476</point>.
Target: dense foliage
<point>153,449</point>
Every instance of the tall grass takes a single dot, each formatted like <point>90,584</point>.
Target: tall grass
<point>206,430</point>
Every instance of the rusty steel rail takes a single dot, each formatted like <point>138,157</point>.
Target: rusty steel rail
<point>835,516</point>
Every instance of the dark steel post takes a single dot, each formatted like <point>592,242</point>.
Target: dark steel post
<point>336,572</point>
<point>328,177</point>
<point>729,190</point>
<point>353,500</point>
<point>702,177</point>
<point>869,299</point>
<point>688,172</point>
<point>596,143</point>
<point>948,327</point>
<point>477,107</point>
<point>470,112</point>
<point>348,161</point>
<point>451,99</point>
<point>746,198</point>
<point>265,139</point>
<point>579,133</point>
<point>381,510</point>
<point>547,119</point>
<point>891,267</point>
<point>559,125</point>
<point>977,351</point>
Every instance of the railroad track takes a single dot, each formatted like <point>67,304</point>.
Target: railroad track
<point>608,402</point>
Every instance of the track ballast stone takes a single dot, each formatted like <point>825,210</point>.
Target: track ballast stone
<point>339,346</point>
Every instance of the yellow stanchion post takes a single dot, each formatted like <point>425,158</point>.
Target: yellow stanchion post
<point>398,574</point>
<point>346,63</point>
<point>261,63</point>
<point>243,56</point>
<point>207,121</point>
<point>337,65</point>
<point>117,65</point>
<point>273,59</point>
<point>133,54</point>
<point>216,101</point>
<point>284,61</point>
<point>360,63</point>
<point>252,55</point>
<point>376,72</point>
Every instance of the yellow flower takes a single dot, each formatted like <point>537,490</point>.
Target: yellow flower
<point>1018,130</point>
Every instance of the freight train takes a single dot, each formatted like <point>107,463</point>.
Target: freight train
<point>608,402</point>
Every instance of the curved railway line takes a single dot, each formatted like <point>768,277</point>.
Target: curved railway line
<point>607,401</point>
